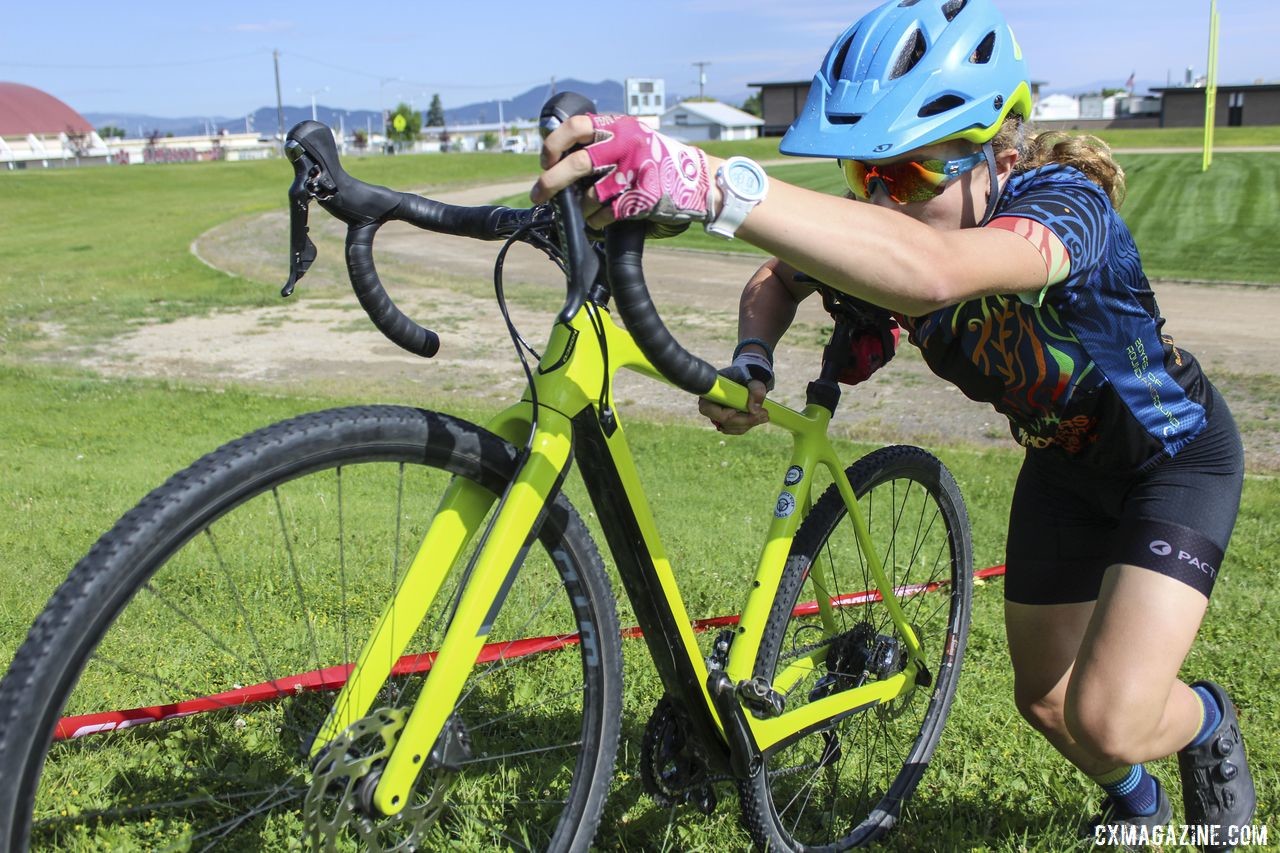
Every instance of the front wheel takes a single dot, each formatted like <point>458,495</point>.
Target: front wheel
<point>843,784</point>
<point>257,573</point>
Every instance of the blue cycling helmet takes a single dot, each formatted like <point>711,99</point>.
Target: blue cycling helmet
<point>913,73</point>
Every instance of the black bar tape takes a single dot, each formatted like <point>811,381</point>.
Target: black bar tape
<point>625,243</point>
<point>389,319</point>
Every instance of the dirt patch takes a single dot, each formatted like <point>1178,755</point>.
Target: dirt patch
<point>322,336</point>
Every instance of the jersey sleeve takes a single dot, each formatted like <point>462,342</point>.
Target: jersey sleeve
<point>1075,210</point>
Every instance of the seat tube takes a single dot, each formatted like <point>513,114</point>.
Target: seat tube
<point>811,449</point>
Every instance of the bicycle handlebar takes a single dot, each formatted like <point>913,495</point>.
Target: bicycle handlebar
<point>366,207</point>
<point>624,246</point>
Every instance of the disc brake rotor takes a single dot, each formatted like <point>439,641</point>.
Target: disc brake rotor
<point>338,803</point>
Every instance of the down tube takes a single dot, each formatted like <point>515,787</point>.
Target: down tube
<point>608,470</point>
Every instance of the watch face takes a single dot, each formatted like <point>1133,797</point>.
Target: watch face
<point>746,178</point>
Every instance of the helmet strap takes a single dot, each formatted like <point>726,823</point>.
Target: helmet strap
<point>993,197</point>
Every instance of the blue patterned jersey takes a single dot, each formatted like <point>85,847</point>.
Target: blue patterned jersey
<point>1084,370</point>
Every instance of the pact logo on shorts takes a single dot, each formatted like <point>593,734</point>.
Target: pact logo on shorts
<point>1161,548</point>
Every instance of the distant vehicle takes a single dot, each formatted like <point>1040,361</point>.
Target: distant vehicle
<point>514,145</point>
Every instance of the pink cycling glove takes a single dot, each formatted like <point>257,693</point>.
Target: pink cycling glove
<point>649,176</point>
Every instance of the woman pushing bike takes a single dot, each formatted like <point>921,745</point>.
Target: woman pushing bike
<point>1003,257</point>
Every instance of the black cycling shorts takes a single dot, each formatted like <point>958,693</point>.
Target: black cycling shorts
<point>1067,524</point>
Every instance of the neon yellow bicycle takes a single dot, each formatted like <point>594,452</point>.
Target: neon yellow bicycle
<point>387,628</point>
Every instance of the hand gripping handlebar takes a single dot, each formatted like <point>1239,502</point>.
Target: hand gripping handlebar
<point>365,208</point>
<point>624,248</point>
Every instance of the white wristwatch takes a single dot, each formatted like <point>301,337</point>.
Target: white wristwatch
<point>743,185</point>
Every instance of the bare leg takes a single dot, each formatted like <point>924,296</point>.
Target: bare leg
<point>1099,680</point>
<point>1124,702</point>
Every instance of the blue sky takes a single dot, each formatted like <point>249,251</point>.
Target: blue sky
<point>215,59</point>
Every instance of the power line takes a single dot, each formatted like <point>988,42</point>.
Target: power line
<point>132,66</point>
<point>425,85</point>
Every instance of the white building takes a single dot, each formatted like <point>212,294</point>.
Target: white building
<point>700,121</point>
<point>645,96</point>
<point>1056,108</point>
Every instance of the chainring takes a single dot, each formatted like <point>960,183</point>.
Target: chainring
<point>670,771</point>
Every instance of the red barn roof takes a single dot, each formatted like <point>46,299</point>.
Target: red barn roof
<point>24,109</point>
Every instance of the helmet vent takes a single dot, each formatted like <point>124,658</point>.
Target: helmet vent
<point>837,64</point>
<point>941,105</point>
<point>906,3</point>
<point>844,119</point>
<point>982,54</point>
<point>911,54</point>
<point>952,8</point>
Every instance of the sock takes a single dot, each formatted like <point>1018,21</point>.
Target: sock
<point>1212,715</point>
<point>1132,790</point>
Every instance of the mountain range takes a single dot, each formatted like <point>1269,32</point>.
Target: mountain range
<point>606,94</point>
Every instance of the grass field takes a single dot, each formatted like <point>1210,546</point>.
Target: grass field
<point>94,251</point>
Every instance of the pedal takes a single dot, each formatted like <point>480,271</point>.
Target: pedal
<point>761,699</point>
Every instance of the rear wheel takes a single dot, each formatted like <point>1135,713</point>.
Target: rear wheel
<point>843,785</point>
<point>263,567</point>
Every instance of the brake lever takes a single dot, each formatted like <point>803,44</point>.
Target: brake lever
<point>302,252</point>
<point>582,265</point>
<point>318,174</point>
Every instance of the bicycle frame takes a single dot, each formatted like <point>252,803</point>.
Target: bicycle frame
<point>572,380</point>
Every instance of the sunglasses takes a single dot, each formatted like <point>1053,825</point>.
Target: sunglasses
<point>908,180</point>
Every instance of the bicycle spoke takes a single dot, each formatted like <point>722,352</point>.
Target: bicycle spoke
<point>297,581</point>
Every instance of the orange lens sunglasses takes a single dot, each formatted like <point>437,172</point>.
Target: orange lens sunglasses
<point>908,180</point>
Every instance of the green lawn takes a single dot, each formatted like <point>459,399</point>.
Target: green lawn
<point>97,249</point>
<point>81,450</point>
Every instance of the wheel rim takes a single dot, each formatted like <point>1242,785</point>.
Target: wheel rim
<point>843,785</point>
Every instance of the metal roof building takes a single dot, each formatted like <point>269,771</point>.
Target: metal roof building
<point>37,128</point>
<point>697,121</point>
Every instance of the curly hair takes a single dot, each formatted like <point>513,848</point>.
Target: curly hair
<point>1087,153</point>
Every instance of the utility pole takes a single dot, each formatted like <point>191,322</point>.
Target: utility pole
<point>702,77</point>
<point>275,54</point>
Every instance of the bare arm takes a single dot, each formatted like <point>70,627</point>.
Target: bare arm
<point>769,301</point>
<point>886,257</point>
<point>765,311</point>
<point>875,253</point>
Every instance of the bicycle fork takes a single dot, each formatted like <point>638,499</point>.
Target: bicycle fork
<point>487,580</point>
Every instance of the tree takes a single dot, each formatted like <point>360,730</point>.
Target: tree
<point>752,105</point>
<point>435,113</point>
<point>110,131</point>
<point>360,139</point>
<point>490,141</point>
<point>403,123</point>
